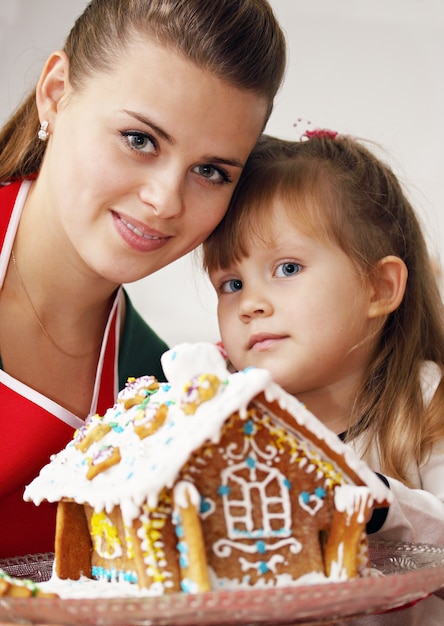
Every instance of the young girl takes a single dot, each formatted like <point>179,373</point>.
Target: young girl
<point>122,160</point>
<point>323,277</point>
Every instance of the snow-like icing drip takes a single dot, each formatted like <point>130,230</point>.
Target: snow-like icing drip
<point>352,499</point>
<point>184,494</point>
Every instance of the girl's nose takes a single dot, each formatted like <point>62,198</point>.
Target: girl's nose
<point>254,305</point>
<point>164,194</point>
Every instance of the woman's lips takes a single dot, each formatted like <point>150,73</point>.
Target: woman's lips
<point>138,235</point>
<point>137,231</point>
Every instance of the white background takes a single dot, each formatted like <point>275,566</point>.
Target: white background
<point>371,68</point>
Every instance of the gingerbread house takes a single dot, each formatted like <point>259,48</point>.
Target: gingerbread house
<point>212,480</point>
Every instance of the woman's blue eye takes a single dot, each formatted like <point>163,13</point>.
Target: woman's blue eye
<point>231,286</point>
<point>288,269</point>
<point>212,173</point>
<point>140,142</point>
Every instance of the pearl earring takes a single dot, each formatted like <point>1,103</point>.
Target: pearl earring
<point>43,131</point>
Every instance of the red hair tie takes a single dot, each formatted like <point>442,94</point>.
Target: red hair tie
<point>308,133</point>
<point>320,132</point>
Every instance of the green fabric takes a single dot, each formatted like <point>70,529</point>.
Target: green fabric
<point>140,348</point>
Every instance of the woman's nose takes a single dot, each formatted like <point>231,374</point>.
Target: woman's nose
<point>163,192</point>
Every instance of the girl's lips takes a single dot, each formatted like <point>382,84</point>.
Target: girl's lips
<point>137,235</point>
<point>263,341</point>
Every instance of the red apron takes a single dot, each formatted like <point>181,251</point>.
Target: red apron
<point>32,426</point>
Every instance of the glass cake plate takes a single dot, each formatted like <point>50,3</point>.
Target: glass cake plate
<point>411,572</point>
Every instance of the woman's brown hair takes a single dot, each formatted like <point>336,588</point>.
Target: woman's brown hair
<point>239,41</point>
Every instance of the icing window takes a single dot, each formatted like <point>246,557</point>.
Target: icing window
<point>244,486</point>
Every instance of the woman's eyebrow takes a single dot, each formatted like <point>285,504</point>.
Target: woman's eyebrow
<point>215,160</point>
<point>144,120</point>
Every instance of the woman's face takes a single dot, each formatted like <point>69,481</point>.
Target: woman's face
<point>142,161</point>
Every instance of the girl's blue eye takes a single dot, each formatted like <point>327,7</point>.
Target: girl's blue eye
<point>288,269</point>
<point>140,142</point>
<point>212,173</point>
<point>230,286</point>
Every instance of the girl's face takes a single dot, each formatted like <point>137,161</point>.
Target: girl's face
<point>142,161</point>
<point>298,308</point>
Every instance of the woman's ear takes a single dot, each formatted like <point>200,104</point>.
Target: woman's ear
<point>388,286</point>
<point>52,85</point>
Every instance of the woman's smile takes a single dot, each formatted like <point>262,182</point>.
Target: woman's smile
<point>138,235</point>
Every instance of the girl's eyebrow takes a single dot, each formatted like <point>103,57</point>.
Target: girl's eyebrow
<point>169,139</point>
<point>144,120</point>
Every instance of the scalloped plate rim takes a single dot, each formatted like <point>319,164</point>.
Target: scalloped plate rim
<point>255,606</point>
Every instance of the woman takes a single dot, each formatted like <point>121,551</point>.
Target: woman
<point>123,160</point>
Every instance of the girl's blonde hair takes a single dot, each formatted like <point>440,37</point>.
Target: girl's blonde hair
<point>336,189</point>
<point>239,41</point>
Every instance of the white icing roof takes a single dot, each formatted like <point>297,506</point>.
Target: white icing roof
<point>147,465</point>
